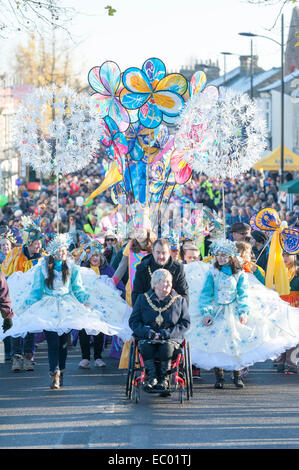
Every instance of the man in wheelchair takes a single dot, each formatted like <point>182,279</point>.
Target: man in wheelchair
<point>159,320</point>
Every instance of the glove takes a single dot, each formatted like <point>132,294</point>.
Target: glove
<point>151,334</point>
<point>7,323</point>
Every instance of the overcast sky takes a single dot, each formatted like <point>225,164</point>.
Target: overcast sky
<point>177,31</point>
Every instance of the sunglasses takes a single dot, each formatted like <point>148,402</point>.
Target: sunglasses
<point>110,239</point>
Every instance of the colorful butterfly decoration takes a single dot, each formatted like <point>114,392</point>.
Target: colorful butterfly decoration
<point>105,80</point>
<point>114,141</point>
<point>268,220</point>
<point>156,95</point>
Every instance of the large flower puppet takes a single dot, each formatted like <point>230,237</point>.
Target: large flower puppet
<point>56,130</point>
<point>155,94</point>
<point>106,81</point>
<point>114,141</point>
<point>221,137</point>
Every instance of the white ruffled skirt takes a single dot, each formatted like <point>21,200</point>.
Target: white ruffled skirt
<point>272,327</point>
<point>109,313</point>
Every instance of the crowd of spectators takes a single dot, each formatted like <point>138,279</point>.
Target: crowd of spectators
<point>244,197</point>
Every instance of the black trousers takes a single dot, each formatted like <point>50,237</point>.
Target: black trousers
<point>163,351</point>
<point>98,343</point>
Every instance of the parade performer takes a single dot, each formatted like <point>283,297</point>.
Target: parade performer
<point>159,321</point>
<point>7,242</point>
<point>287,361</point>
<point>23,258</point>
<point>138,247</point>
<point>57,297</point>
<point>93,258</point>
<point>235,320</point>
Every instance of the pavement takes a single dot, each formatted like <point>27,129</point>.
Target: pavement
<point>92,411</point>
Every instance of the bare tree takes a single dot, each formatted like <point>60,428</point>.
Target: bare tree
<point>26,15</point>
<point>282,4</point>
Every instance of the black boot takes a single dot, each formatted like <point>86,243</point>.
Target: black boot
<point>219,378</point>
<point>163,380</point>
<point>237,379</point>
<point>151,374</point>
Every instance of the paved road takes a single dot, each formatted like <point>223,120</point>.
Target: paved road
<point>92,411</point>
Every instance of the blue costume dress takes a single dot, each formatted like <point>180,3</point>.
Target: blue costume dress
<point>62,308</point>
<point>272,325</point>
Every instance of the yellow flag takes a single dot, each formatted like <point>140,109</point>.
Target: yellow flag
<point>277,272</point>
<point>112,177</point>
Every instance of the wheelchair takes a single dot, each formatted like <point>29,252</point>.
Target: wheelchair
<point>180,374</point>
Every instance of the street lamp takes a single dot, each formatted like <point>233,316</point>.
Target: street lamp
<point>281,45</point>
<point>224,57</point>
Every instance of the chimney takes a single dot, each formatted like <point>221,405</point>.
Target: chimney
<point>245,62</point>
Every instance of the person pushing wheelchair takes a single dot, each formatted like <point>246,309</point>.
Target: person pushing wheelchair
<point>159,320</point>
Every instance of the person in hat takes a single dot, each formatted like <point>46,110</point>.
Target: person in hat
<point>55,277</point>
<point>23,258</point>
<point>235,320</point>
<point>259,241</point>
<point>94,259</point>
<point>64,297</point>
<point>138,247</point>
<point>240,232</point>
<point>7,241</point>
<point>110,246</point>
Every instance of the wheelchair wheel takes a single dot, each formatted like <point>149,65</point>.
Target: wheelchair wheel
<point>181,395</point>
<point>131,367</point>
<point>188,371</point>
<point>136,394</point>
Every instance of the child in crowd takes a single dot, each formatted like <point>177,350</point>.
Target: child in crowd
<point>248,265</point>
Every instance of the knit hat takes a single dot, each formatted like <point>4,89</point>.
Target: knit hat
<point>258,236</point>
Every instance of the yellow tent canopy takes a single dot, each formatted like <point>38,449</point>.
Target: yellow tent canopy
<point>271,161</point>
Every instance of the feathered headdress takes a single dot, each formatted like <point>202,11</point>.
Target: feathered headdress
<point>225,246</point>
<point>91,248</point>
<point>31,231</point>
<point>59,241</point>
<point>8,235</point>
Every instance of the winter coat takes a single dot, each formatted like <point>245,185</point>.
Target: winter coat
<point>176,319</point>
<point>142,279</point>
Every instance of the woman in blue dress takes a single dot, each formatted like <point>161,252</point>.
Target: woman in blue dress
<point>235,320</point>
